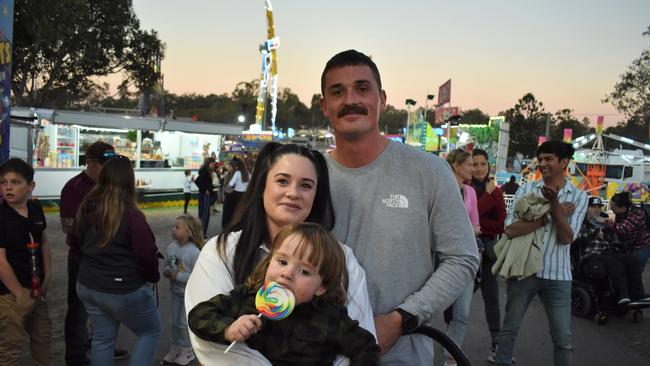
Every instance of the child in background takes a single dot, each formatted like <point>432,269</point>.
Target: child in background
<point>307,260</point>
<point>24,268</point>
<point>187,189</point>
<point>182,254</point>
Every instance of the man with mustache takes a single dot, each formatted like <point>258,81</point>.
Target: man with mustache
<point>397,207</point>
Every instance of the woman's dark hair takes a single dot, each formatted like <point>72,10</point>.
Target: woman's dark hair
<point>250,216</point>
<point>239,166</point>
<point>105,204</point>
<point>622,199</point>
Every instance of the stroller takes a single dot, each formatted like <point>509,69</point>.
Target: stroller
<point>593,294</point>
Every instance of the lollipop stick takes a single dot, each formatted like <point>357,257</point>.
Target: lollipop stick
<point>233,343</point>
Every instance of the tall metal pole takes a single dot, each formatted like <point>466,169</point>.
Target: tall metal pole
<point>449,127</point>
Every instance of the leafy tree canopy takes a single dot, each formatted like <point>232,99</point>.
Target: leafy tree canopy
<point>60,46</point>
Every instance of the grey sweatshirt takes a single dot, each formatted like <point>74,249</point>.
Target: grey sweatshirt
<point>396,213</point>
<point>181,259</point>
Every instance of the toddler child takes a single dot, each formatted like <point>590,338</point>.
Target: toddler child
<point>307,260</point>
<point>182,254</point>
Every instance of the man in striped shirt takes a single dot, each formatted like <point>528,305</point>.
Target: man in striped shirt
<point>553,282</point>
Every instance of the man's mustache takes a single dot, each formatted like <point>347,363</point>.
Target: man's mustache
<point>350,109</point>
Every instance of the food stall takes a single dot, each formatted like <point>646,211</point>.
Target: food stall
<point>161,150</point>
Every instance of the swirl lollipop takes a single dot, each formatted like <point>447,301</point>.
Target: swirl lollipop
<point>274,302</point>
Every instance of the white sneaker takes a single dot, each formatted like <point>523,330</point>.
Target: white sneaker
<point>492,355</point>
<point>185,357</point>
<point>624,301</point>
<point>170,357</point>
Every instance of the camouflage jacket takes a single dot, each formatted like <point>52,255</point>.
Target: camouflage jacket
<point>313,334</point>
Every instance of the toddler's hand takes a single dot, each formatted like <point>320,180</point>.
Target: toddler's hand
<point>242,328</point>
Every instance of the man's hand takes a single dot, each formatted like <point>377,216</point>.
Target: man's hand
<point>242,328</point>
<point>389,329</point>
<point>550,193</point>
<point>568,208</point>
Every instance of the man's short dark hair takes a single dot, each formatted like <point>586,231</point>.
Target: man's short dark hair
<point>349,58</point>
<point>100,151</point>
<point>556,147</point>
<point>17,166</point>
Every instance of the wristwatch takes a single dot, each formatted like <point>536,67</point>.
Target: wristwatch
<point>409,321</point>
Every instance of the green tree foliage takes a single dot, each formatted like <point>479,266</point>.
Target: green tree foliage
<point>318,120</point>
<point>527,122</point>
<point>292,113</point>
<point>474,117</point>
<point>631,94</point>
<point>565,119</point>
<point>59,46</point>
<point>393,120</point>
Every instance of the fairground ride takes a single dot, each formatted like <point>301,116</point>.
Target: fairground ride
<point>269,79</point>
<point>604,173</point>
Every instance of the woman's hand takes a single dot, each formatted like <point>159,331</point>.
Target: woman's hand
<point>242,328</point>
<point>490,186</point>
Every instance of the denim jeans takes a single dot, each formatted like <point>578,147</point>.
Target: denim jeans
<point>556,297</point>
<point>204,211</point>
<point>76,331</point>
<point>490,290</point>
<point>643,254</point>
<point>460,315</point>
<point>180,333</point>
<point>136,310</point>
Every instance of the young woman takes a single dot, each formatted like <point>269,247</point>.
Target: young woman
<point>238,183</point>
<point>492,215</point>
<point>290,184</point>
<point>118,265</point>
<point>461,164</point>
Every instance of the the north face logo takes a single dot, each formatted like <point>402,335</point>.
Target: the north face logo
<point>396,201</point>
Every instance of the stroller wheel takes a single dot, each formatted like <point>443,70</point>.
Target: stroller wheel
<point>637,316</point>
<point>581,302</point>
<point>601,318</point>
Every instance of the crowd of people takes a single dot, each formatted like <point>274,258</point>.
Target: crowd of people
<point>374,239</point>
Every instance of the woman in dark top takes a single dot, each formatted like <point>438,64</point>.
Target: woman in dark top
<point>492,215</point>
<point>631,226</point>
<point>238,183</point>
<point>118,264</point>
<point>204,182</point>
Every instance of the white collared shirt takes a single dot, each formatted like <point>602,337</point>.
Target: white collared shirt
<point>557,264</point>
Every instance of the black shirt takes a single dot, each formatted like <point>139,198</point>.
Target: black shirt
<point>14,236</point>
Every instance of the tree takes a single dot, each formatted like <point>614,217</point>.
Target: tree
<point>527,122</point>
<point>631,94</point>
<point>393,120</point>
<point>292,113</point>
<point>474,117</point>
<point>565,119</point>
<point>318,120</point>
<point>59,46</point>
